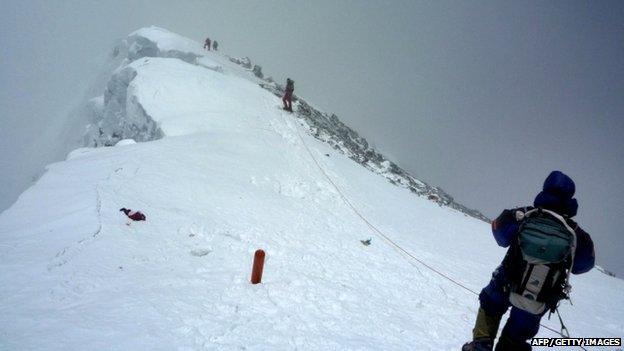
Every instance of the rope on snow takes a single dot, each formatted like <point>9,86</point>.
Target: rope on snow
<point>391,242</point>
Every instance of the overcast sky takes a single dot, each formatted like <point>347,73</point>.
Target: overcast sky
<point>481,98</point>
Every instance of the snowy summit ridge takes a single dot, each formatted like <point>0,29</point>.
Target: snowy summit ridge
<point>121,116</point>
<point>198,143</point>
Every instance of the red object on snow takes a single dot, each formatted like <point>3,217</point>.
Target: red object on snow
<point>133,215</point>
<point>258,266</point>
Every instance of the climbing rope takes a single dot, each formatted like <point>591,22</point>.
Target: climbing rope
<point>391,242</point>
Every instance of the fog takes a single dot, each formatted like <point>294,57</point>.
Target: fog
<point>483,99</point>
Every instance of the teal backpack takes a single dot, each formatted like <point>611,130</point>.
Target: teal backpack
<point>547,244</point>
<point>545,238</point>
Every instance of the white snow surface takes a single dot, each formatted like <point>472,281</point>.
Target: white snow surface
<point>231,175</point>
<point>168,41</point>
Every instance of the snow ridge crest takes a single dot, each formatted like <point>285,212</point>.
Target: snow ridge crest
<point>120,115</point>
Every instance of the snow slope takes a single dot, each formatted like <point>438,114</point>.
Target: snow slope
<point>222,172</point>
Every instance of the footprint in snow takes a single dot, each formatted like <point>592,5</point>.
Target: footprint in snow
<point>200,252</point>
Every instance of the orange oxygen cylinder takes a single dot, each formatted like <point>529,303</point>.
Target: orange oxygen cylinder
<point>258,266</point>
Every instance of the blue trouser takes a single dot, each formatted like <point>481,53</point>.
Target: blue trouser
<point>494,299</point>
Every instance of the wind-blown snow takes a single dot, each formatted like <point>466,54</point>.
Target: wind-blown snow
<point>228,173</point>
<point>167,41</point>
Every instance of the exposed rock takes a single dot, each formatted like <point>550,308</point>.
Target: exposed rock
<point>328,128</point>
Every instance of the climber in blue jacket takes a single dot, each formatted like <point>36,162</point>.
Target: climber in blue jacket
<point>524,320</point>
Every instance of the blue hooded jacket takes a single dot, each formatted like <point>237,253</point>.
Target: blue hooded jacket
<point>556,195</point>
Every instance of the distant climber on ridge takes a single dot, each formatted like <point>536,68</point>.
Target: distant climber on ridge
<point>545,246</point>
<point>207,44</point>
<point>215,45</point>
<point>287,99</point>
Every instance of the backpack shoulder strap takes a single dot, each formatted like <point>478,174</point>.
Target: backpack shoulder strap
<point>523,212</point>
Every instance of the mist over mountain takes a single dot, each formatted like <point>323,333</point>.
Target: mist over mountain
<point>359,253</point>
<point>483,100</point>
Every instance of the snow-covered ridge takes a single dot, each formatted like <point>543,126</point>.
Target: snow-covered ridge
<point>328,128</point>
<point>119,114</point>
<point>123,116</point>
<point>158,42</point>
<point>230,173</point>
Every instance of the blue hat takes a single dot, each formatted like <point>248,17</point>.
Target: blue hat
<point>557,194</point>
